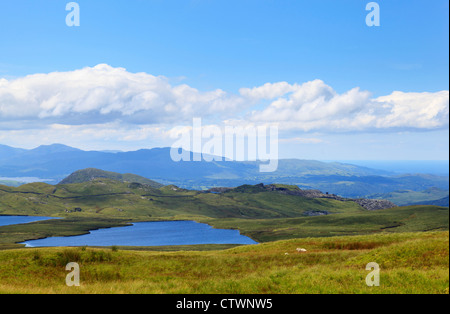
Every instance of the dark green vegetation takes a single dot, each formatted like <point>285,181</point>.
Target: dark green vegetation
<point>258,212</point>
<point>409,263</point>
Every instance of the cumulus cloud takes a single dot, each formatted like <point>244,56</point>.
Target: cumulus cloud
<point>102,95</point>
<point>414,110</point>
<point>316,106</point>
<point>267,91</point>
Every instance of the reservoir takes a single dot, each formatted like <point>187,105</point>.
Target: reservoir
<point>149,234</point>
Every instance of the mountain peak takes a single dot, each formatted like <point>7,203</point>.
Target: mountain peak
<point>55,148</point>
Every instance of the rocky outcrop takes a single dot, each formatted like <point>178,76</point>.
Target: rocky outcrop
<point>369,204</point>
<point>374,204</point>
<point>316,194</point>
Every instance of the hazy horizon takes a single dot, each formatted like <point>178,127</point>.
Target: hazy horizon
<point>112,151</point>
<point>435,167</point>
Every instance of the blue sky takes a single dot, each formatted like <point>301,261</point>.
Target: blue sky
<point>230,45</point>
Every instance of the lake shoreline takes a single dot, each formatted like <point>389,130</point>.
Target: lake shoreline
<point>146,234</point>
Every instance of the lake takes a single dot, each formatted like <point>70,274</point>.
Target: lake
<point>15,220</point>
<point>149,234</point>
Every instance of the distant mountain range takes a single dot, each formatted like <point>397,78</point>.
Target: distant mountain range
<point>57,161</point>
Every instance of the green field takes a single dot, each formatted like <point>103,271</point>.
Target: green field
<point>409,263</point>
<point>409,243</point>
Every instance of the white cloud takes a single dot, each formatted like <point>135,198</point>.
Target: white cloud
<point>267,91</point>
<point>414,110</point>
<point>102,93</point>
<point>316,106</point>
<point>94,98</point>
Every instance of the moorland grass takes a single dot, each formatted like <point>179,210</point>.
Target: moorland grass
<point>410,263</point>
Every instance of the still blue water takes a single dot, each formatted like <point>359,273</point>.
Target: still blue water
<point>15,220</point>
<point>149,234</point>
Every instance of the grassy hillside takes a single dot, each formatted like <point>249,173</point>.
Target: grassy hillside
<point>394,220</point>
<point>86,175</point>
<point>261,214</point>
<point>411,244</point>
<point>111,198</point>
<point>408,197</point>
<point>409,263</point>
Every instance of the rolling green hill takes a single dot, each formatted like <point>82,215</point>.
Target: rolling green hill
<point>265,213</point>
<point>89,174</point>
<point>104,197</point>
<point>408,197</point>
<point>340,236</point>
